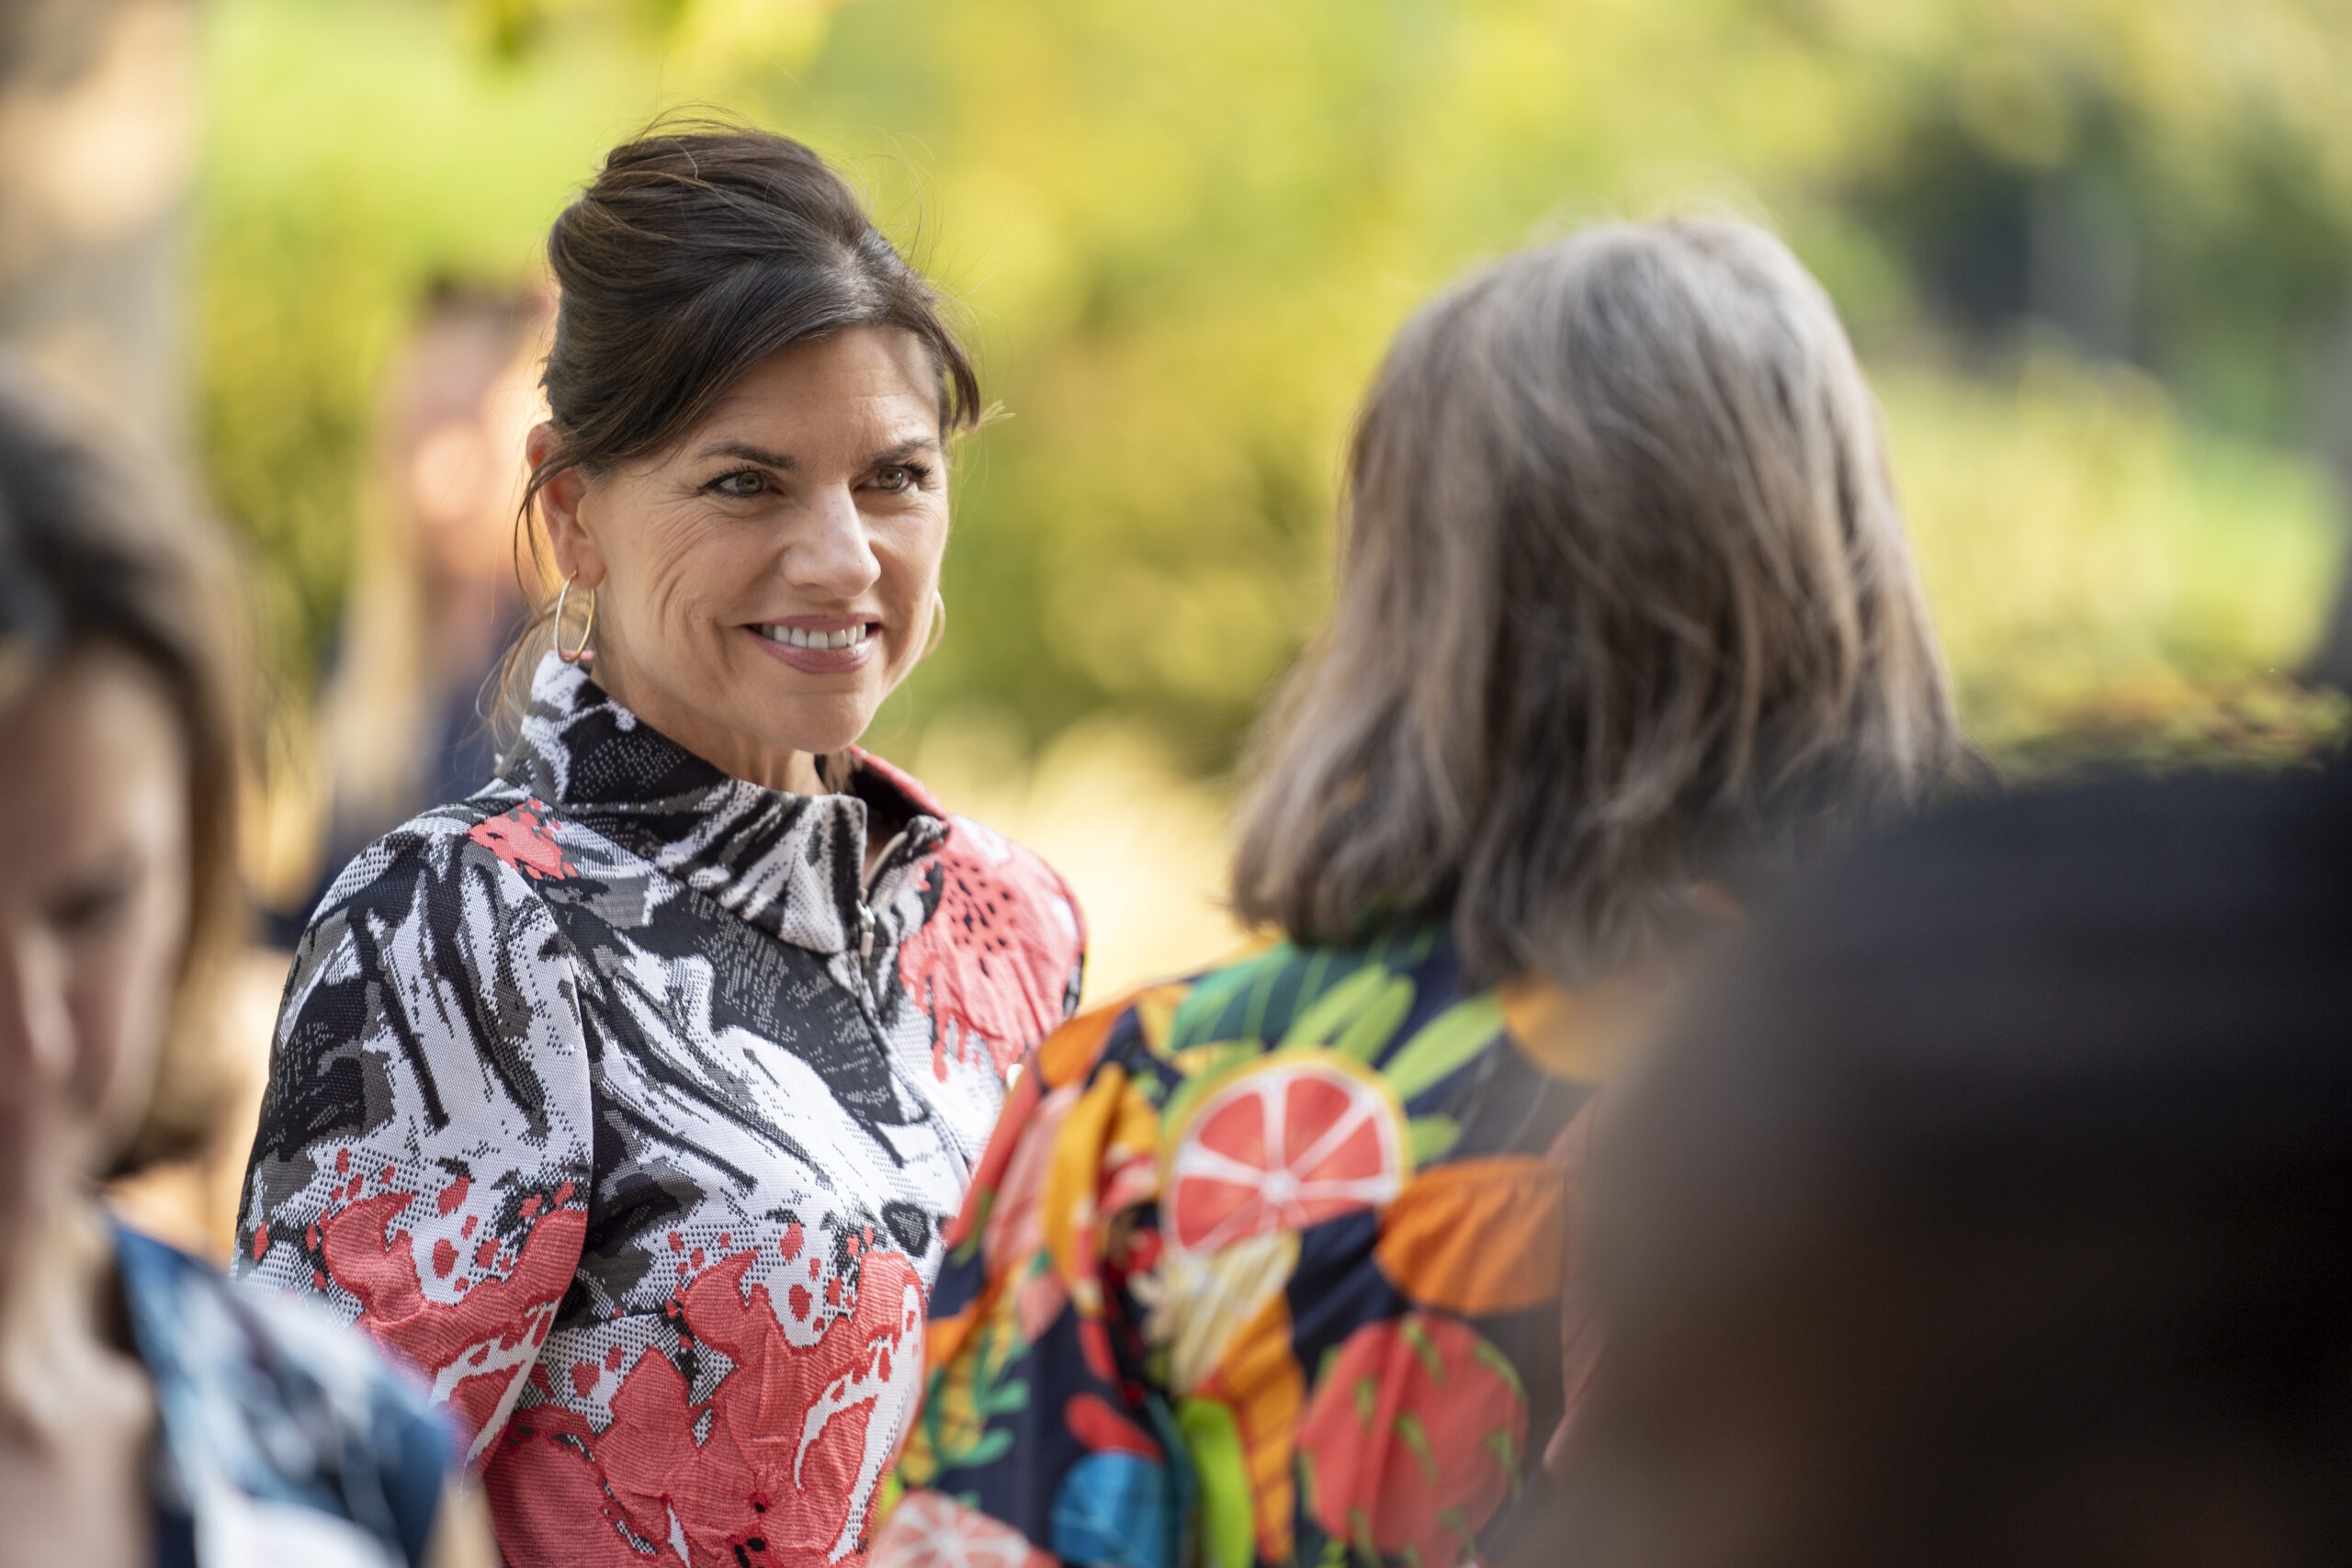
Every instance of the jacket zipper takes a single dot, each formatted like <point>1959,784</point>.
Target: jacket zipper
<point>865,895</point>
<point>865,931</point>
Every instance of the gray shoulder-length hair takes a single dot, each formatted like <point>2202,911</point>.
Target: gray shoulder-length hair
<point>1624,609</point>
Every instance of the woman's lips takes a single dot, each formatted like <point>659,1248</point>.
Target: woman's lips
<point>818,644</point>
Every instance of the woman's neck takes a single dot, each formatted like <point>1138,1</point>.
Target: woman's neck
<point>65,1356</point>
<point>78,1413</point>
<point>795,772</point>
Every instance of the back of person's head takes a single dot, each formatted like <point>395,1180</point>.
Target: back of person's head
<point>1996,1209</point>
<point>94,564</point>
<point>1625,608</point>
<point>436,520</point>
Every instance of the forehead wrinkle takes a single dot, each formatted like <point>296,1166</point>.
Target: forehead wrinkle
<point>750,451</point>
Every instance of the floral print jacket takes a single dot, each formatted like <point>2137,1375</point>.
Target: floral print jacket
<point>1264,1268</point>
<point>617,1101</point>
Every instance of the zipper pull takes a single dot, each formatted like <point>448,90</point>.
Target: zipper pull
<point>865,933</point>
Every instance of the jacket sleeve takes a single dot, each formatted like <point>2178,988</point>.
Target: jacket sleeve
<point>1042,1434</point>
<point>422,1160</point>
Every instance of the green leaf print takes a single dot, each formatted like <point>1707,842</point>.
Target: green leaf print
<point>1495,1362</point>
<point>1417,1339</point>
<point>1428,1138</point>
<point>1506,1454</point>
<point>1458,1522</point>
<point>1201,1012</point>
<point>1416,1438</point>
<point>970,1246</point>
<point>1336,1008</point>
<point>1378,1022</point>
<point>1213,1438</point>
<point>1444,1045</point>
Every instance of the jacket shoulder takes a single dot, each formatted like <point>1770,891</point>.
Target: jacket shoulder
<point>1001,950</point>
<point>1019,897</point>
<point>479,833</point>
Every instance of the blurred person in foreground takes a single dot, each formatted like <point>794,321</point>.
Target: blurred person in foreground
<point>149,1412</point>
<point>628,1096</point>
<point>1265,1263</point>
<point>1996,1212</point>
<point>435,600</point>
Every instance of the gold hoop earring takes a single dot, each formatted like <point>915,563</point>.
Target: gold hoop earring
<point>938,624</point>
<point>574,655</point>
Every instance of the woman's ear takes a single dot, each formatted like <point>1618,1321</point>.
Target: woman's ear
<point>559,502</point>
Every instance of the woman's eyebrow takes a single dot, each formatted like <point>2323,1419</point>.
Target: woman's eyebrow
<point>914,447</point>
<point>749,453</point>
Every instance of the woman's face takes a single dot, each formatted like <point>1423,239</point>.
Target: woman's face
<point>94,902</point>
<point>763,585</point>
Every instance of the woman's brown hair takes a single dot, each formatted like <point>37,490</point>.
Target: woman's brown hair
<point>1625,609</point>
<point>699,249</point>
<point>89,558</point>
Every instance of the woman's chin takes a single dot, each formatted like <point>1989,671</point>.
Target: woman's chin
<point>817,725</point>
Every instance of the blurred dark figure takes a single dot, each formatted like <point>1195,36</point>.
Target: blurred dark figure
<point>1998,1210</point>
<point>436,597</point>
<point>149,1412</point>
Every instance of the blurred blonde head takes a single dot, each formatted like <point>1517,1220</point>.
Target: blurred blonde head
<point>437,519</point>
<point>1625,610</point>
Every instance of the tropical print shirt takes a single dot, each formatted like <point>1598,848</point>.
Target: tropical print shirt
<point>1263,1267</point>
<point>621,1103</point>
<point>285,1439</point>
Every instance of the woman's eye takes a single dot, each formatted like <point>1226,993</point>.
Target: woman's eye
<point>899,477</point>
<point>92,909</point>
<point>742,482</point>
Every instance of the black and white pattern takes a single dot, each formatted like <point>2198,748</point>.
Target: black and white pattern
<point>616,1100</point>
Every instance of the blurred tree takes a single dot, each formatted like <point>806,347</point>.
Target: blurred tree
<point>1184,229</point>
<point>97,142</point>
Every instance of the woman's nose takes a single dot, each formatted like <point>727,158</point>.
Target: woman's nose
<point>35,1026</point>
<point>829,555</point>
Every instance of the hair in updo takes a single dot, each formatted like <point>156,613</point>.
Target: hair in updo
<point>699,249</point>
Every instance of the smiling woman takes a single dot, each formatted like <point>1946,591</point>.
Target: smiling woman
<point>626,1097</point>
<point>765,585</point>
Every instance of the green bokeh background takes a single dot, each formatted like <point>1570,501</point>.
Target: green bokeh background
<point>2097,255</point>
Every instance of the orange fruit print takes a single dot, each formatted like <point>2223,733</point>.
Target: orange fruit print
<point>930,1531</point>
<point>1292,1142</point>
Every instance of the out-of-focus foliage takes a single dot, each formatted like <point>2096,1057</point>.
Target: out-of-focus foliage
<point>1184,229</point>
<point>2107,579</point>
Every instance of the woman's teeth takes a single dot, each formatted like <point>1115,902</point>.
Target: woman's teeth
<point>799,636</point>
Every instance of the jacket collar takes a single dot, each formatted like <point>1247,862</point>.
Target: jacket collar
<point>791,864</point>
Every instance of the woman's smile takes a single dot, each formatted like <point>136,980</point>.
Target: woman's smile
<point>820,645</point>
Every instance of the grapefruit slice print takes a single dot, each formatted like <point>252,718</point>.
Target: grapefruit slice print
<point>930,1529</point>
<point>1295,1141</point>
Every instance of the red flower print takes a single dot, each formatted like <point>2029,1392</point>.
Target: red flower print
<point>1413,1438</point>
<point>475,1349</point>
<point>524,839</point>
<point>992,964</point>
<point>792,1441</point>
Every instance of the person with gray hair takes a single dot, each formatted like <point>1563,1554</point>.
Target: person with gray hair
<point>1270,1260</point>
